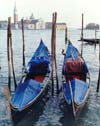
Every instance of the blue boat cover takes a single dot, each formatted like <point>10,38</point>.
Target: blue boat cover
<point>79,90</point>
<point>25,92</point>
<point>73,53</point>
<point>40,61</point>
<point>41,55</point>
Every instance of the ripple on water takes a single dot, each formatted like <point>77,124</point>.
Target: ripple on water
<point>50,112</point>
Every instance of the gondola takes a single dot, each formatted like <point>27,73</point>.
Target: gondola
<point>34,82</point>
<point>75,80</point>
<point>90,41</point>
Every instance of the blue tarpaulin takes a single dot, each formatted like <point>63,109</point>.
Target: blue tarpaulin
<point>41,55</point>
<point>25,92</point>
<point>39,63</point>
<point>79,90</point>
<point>71,52</point>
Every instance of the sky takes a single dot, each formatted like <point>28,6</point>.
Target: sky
<point>68,11</point>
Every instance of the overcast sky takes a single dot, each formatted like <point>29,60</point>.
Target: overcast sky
<point>69,11</point>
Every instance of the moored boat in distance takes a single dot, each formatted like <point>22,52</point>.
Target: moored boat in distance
<point>34,83</point>
<point>75,75</point>
<point>90,41</point>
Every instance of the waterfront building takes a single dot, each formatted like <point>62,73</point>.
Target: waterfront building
<point>48,25</point>
<point>40,24</point>
<point>32,23</point>
<point>35,23</point>
<point>3,25</point>
<point>59,26</point>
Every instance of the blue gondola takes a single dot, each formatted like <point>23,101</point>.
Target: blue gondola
<point>75,75</point>
<point>34,83</point>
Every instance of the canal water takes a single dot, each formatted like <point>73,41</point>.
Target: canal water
<point>50,111</point>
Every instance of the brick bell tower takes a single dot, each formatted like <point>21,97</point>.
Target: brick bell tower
<point>15,15</point>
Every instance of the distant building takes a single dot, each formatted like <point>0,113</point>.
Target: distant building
<point>32,17</point>
<point>60,26</point>
<point>40,24</point>
<point>3,25</point>
<point>48,25</point>
<point>26,22</point>
<point>32,23</point>
<point>15,17</point>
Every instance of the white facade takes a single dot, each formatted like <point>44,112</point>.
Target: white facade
<point>40,24</point>
<point>31,26</point>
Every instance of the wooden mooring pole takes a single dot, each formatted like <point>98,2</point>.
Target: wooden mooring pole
<point>98,83</point>
<point>8,55</point>
<point>8,96</point>
<point>10,52</point>
<point>12,59</point>
<point>53,53</point>
<point>57,82</point>
<point>82,35</point>
<point>66,35</point>
<point>95,38</point>
<point>22,21</point>
<point>7,89</point>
